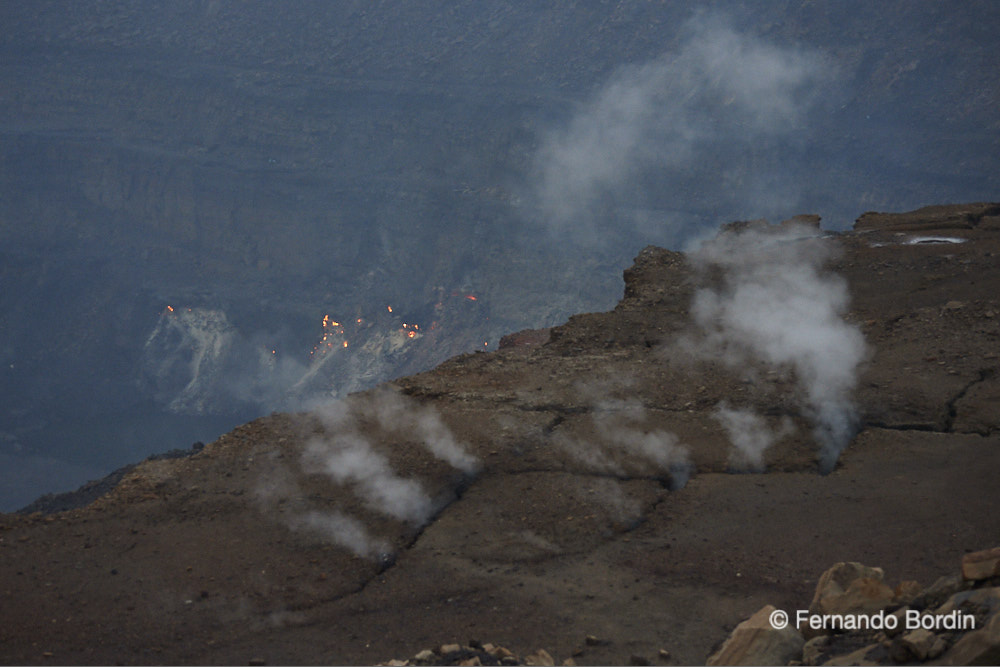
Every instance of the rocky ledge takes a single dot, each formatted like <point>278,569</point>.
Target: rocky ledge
<point>778,400</point>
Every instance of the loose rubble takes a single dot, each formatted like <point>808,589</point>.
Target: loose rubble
<point>856,619</point>
<point>476,653</point>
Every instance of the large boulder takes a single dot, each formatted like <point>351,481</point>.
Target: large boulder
<point>851,588</point>
<point>756,641</point>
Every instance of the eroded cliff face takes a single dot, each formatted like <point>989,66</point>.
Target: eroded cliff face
<point>647,476</point>
<point>275,165</point>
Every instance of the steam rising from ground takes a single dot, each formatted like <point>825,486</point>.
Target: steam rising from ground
<point>771,300</point>
<point>621,438</point>
<point>347,453</point>
<point>750,436</point>
<point>714,100</point>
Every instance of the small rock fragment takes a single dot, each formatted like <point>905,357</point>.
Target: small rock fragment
<point>540,658</point>
<point>981,647</point>
<point>919,642</point>
<point>981,564</point>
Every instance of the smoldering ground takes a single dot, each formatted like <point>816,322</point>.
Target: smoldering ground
<point>766,295</point>
<point>354,481</point>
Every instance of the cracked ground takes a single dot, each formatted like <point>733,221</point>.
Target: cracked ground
<point>559,532</point>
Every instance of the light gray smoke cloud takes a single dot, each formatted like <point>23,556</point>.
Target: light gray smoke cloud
<point>347,452</point>
<point>710,101</point>
<point>349,458</point>
<point>775,302</point>
<point>750,435</point>
<point>396,413</point>
<point>343,530</point>
<point>621,437</point>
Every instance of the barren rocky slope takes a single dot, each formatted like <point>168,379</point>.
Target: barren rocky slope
<point>577,482</point>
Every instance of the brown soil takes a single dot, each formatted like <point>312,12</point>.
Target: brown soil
<point>207,559</point>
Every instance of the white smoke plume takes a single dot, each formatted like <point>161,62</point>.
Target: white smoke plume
<point>713,99</point>
<point>774,301</point>
<point>750,436</point>
<point>344,530</point>
<point>396,413</point>
<point>349,458</point>
<point>347,453</point>
<point>619,430</point>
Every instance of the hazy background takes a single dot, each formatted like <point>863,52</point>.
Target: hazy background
<point>202,201</point>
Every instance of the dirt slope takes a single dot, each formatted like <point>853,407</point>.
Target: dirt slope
<point>576,482</point>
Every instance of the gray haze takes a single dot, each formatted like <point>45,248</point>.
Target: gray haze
<point>778,303</point>
<point>478,168</point>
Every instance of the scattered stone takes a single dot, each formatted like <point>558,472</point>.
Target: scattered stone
<point>474,661</point>
<point>981,564</point>
<point>851,588</point>
<point>664,654</point>
<point>916,644</point>
<point>756,642</point>
<point>449,648</point>
<point>907,591</point>
<point>980,647</point>
<point>941,590</point>
<point>814,649</point>
<point>893,629</point>
<point>592,640</point>
<point>868,655</point>
<point>424,656</point>
<point>540,658</point>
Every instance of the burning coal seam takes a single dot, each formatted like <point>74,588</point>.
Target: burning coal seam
<point>348,457</point>
<point>774,301</point>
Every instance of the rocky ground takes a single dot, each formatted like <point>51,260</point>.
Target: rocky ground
<point>577,491</point>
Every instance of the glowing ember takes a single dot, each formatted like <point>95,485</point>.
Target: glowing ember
<point>470,297</point>
<point>345,343</point>
<point>389,308</point>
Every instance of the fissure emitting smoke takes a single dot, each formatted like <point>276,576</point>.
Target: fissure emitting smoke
<point>774,301</point>
<point>623,444</point>
<point>348,454</point>
<point>702,110</point>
